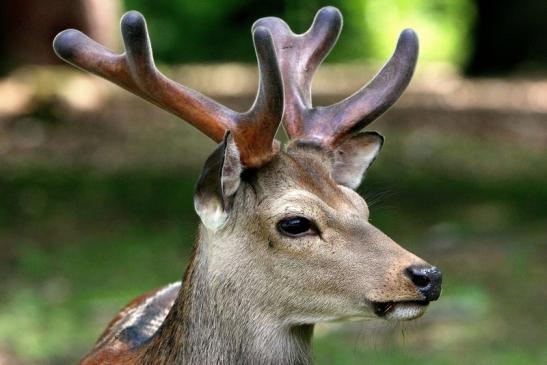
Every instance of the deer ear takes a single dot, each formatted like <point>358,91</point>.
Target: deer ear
<point>218,184</point>
<point>353,157</point>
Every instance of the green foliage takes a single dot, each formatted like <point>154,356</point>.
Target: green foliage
<point>219,30</point>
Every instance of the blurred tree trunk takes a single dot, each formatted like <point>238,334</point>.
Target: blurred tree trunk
<point>27,27</point>
<point>509,37</point>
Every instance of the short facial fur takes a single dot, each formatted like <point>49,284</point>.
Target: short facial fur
<point>333,274</point>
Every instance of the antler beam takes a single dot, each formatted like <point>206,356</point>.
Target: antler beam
<point>136,72</point>
<point>299,56</point>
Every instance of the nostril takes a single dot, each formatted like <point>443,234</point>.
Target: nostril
<point>421,280</point>
<point>419,276</point>
<point>428,280</point>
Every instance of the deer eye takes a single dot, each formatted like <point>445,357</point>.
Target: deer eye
<point>296,227</point>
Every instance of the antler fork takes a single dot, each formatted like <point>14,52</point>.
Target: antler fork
<point>134,70</point>
<point>300,55</point>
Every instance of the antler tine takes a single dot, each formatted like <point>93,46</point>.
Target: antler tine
<point>257,127</point>
<point>301,55</point>
<point>364,106</point>
<point>135,71</point>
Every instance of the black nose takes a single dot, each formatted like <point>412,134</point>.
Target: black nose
<point>428,280</point>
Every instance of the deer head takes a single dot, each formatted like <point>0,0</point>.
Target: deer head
<point>284,237</point>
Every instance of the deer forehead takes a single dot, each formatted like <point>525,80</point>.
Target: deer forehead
<point>301,183</point>
<point>301,202</point>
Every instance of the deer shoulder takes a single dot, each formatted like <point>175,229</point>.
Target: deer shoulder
<point>134,324</point>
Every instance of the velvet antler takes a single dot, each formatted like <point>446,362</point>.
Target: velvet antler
<point>299,56</point>
<point>134,70</point>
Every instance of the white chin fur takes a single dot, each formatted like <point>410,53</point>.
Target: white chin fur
<point>405,312</point>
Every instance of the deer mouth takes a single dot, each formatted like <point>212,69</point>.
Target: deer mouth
<point>402,311</point>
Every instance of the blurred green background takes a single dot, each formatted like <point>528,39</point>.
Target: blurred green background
<point>96,185</point>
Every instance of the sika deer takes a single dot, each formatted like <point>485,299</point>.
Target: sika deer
<point>284,240</point>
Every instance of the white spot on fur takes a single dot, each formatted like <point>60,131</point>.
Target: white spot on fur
<point>132,316</point>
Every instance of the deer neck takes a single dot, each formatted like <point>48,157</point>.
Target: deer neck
<point>214,321</point>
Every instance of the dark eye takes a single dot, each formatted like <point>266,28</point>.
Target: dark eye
<point>296,227</point>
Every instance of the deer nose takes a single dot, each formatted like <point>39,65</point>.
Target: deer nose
<point>428,280</point>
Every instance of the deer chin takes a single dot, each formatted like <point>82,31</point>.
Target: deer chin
<point>400,311</point>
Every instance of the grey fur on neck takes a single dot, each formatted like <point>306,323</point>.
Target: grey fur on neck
<point>212,322</point>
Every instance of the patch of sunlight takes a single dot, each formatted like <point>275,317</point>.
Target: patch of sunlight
<point>442,26</point>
